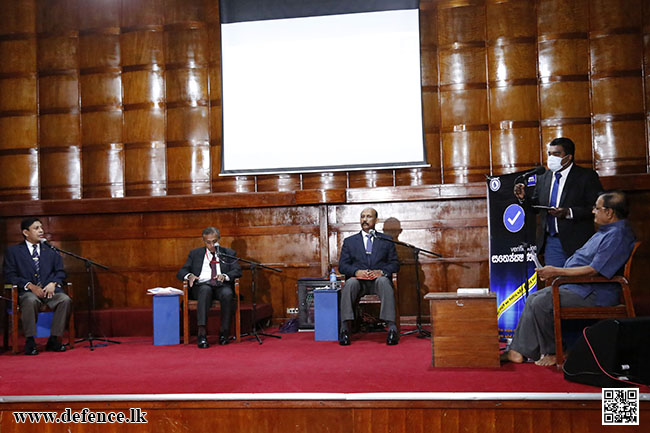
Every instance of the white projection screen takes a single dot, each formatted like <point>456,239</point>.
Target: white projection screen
<point>315,85</point>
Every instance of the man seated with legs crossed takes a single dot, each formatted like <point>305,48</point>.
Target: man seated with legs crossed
<point>605,253</point>
<point>368,262</point>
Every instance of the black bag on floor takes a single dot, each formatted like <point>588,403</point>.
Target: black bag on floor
<point>610,350</point>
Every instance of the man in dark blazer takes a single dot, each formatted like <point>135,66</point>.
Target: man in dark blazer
<point>37,271</point>
<point>211,275</point>
<point>368,262</point>
<point>571,191</point>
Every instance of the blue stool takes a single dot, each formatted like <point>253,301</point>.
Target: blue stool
<point>44,323</point>
<point>166,322</point>
<point>326,314</point>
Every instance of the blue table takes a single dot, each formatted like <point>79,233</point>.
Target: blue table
<point>166,320</point>
<point>326,314</point>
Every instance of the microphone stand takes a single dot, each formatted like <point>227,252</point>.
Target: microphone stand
<point>254,266</point>
<point>91,297</point>
<point>422,333</point>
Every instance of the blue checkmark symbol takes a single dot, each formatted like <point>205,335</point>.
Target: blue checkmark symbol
<point>514,218</point>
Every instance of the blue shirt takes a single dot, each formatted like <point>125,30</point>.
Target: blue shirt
<point>606,251</point>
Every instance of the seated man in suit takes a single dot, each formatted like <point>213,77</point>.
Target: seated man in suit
<point>38,272</point>
<point>211,276</point>
<point>605,253</point>
<point>368,263</point>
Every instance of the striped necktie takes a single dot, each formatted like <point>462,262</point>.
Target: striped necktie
<point>37,264</point>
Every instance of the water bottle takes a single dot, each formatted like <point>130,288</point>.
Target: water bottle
<point>333,279</point>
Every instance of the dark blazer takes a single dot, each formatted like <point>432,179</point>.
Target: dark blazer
<point>19,268</point>
<point>194,263</point>
<point>354,257</point>
<point>580,192</point>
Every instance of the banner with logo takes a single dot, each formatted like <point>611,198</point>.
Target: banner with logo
<point>512,246</point>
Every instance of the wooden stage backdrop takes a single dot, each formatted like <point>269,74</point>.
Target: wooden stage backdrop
<point>110,129</point>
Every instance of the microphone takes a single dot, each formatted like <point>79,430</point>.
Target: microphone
<point>373,233</point>
<point>44,241</point>
<point>537,170</point>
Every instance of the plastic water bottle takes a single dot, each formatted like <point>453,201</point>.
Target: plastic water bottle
<point>333,279</point>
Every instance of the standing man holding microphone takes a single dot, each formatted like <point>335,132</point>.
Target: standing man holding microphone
<point>564,196</point>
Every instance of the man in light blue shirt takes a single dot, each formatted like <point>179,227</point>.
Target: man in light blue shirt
<point>605,253</point>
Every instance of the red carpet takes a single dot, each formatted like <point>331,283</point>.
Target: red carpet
<point>295,363</point>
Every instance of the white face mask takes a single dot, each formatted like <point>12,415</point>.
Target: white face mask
<point>554,163</point>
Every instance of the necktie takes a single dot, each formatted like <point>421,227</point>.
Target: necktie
<point>550,220</point>
<point>213,268</point>
<point>37,265</point>
<point>369,244</point>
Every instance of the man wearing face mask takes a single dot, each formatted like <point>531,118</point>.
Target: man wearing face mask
<point>569,191</point>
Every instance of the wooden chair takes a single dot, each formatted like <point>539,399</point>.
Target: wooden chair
<point>624,309</point>
<point>15,316</point>
<point>190,304</point>
<point>374,299</point>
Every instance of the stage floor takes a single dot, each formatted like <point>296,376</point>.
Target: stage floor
<point>278,368</point>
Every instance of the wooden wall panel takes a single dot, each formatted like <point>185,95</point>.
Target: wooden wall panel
<point>334,416</point>
<point>188,137</point>
<point>125,98</point>
<point>101,100</point>
<point>142,51</point>
<point>512,75</point>
<point>616,45</point>
<point>58,99</point>
<point>463,89</point>
<point>563,44</point>
<point>18,103</point>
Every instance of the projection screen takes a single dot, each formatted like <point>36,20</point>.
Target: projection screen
<point>312,85</point>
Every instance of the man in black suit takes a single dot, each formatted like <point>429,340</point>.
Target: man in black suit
<point>368,262</point>
<point>570,191</point>
<point>211,276</point>
<point>37,271</point>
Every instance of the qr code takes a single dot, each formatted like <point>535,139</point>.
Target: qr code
<point>620,406</point>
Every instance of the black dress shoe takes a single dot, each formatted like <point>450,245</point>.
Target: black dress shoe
<point>393,337</point>
<point>54,346</point>
<point>223,340</point>
<point>30,347</point>
<point>344,338</point>
<point>202,342</point>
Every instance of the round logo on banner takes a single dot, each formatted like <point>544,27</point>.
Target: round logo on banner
<point>514,218</point>
<point>495,184</point>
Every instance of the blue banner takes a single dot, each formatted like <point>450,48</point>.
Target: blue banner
<point>512,246</point>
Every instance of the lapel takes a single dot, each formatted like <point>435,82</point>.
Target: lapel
<point>571,178</point>
<point>545,193</point>
<point>27,256</point>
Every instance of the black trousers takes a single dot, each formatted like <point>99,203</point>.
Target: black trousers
<point>205,293</point>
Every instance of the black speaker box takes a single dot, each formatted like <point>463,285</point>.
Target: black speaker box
<point>620,347</point>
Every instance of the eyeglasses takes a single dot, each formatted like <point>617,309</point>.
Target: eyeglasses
<point>594,208</point>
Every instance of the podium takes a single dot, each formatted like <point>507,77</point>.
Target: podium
<point>464,330</point>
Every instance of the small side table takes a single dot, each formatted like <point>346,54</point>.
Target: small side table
<point>166,320</point>
<point>464,330</point>
<point>326,314</point>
